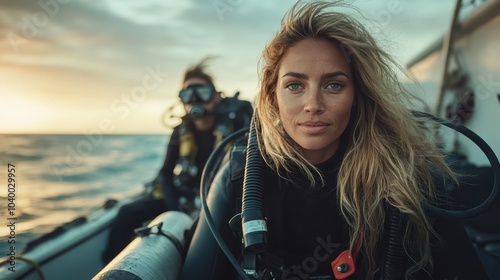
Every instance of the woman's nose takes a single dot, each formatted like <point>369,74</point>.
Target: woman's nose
<point>314,101</point>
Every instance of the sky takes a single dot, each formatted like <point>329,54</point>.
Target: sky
<point>115,66</point>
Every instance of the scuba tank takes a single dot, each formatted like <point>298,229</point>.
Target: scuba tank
<point>163,239</point>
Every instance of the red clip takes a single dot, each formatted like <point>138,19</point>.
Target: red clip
<point>345,264</point>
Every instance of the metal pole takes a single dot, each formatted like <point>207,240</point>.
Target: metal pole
<point>448,51</point>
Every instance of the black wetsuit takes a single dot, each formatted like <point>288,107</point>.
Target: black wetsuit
<point>306,231</point>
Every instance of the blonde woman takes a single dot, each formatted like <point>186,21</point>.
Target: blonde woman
<point>342,157</point>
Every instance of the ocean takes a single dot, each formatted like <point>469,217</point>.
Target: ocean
<point>62,177</point>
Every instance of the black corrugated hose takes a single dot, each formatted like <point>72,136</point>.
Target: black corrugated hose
<point>395,257</point>
<point>252,214</point>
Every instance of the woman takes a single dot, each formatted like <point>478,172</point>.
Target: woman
<point>342,155</point>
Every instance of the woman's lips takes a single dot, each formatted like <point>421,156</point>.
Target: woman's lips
<point>311,127</point>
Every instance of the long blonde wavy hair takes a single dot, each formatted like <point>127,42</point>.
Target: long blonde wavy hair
<point>390,153</point>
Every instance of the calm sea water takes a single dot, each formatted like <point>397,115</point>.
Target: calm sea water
<point>62,177</point>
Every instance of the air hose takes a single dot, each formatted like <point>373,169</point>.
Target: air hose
<point>252,215</point>
<point>394,255</point>
<point>492,158</point>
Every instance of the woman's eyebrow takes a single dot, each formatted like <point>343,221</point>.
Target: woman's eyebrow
<point>323,76</point>
<point>295,75</point>
<point>333,75</point>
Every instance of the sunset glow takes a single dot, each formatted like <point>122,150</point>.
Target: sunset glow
<point>67,65</point>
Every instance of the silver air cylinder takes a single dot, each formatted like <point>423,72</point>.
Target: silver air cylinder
<point>155,256</point>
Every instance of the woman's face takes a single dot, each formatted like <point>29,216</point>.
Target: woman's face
<point>198,81</point>
<point>315,94</point>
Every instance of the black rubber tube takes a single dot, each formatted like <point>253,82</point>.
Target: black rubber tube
<point>252,216</point>
<point>395,256</point>
<point>488,152</point>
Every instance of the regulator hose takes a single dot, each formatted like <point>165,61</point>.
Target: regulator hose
<point>395,255</point>
<point>252,215</point>
<point>492,158</point>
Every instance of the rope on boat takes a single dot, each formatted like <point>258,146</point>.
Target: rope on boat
<point>33,264</point>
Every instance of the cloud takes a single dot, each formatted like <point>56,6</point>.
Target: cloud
<point>74,49</point>
<point>91,32</point>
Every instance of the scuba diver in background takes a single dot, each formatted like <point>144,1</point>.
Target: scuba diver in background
<point>345,169</point>
<point>209,118</point>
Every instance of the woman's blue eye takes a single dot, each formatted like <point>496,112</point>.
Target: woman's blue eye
<point>293,86</point>
<point>335,86</point>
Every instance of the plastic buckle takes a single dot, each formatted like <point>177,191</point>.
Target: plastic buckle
<point>343,266</point>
